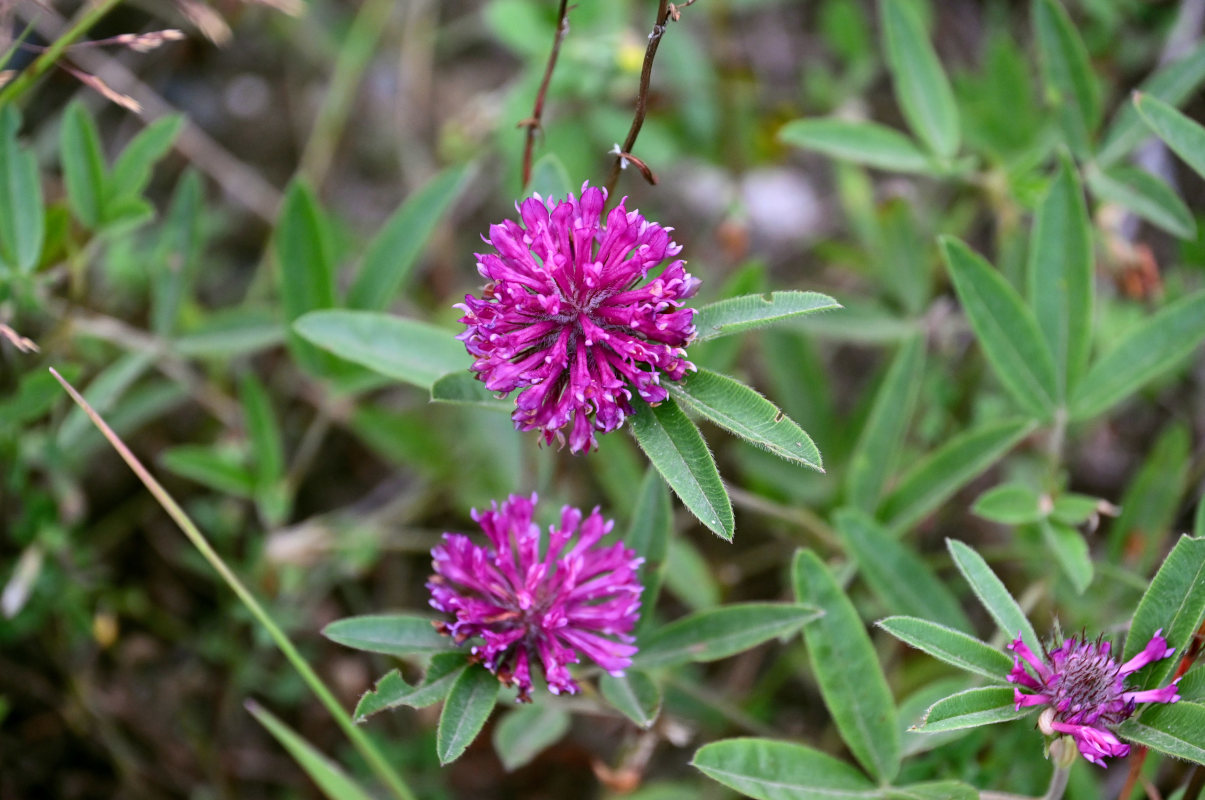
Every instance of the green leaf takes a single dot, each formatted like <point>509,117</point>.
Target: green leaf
<point>649,535</point>
<point>992,594</point>
<point>1070,551</point>
<point>549,178</point>
<point>468,706</point>
<point>263,430</point>
<point>83,165</point>
<point>1185,137</point>
<point>861,142</point>
<point>932,790</point>
<point>103,394</point>
<point>739,409</point>
<point>1067,73</point>
<point>176,254</point>
<point>463,388</point>
<point>132,169</point>
<point>392,690</point>
<point>392,634</point>
<point>941,473</point>
<point>306,266</point>
<point>768,769</point>
<point>229,334</point>
<point>1173,84</point>
<point>210,468</point>
<point>970,709</point>
<point>1007,332</point>
<point>676,448</point>
<point>1010,504</point>
<point>1177,730</point>
<point>526,731</point>
<point>1075,509</point>
<point>950,646</point>
<point>1147,351</point>
<point>738,314</point>
<point>393,252</point>
<point>326,774</point>
<point>22,217</point>
<point>1175,604</point>
<point>1060,276</point>
<point>882,434</point>
<point>634,695</point>
<point>895,573</point>
<point>720,632</point>
<point>1143,194</point>
<point>689,577</point>
<point>847,670</point>
<point>407,350</point>
<point>1152,500</point>
<point>921,87</point>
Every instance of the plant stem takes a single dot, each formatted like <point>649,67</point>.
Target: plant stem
<point>533,122</point>
<point>52,53</point>
<point>374,758</point>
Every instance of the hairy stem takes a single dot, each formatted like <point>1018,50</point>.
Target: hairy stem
<point>532,123</point>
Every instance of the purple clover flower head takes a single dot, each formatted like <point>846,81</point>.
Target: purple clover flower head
<point>527,606</point>
<point>571,319</point>
<point>1083,690</point>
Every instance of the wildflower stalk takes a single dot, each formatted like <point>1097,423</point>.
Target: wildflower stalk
<point>375,760</point>
<point>52,53</point>
<point>532,123</point>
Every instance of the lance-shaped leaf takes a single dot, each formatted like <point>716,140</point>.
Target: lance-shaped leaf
<point>526,731</point>
<point>721,632</point>
<point>896,574</point>
<point>769,769</point>
<point>950,646</point>
<point>1006,330</point>
<point>745,313</point>
<point>861,142</point>
<point>992,594</point>
<point>970,709</point>
<point>921,86</point>
<point>22,217</point>
<point>463,388</point>
<point>407,350</point>
<point>634,694</point>
<point>649,535</point>
<point>1172,84</point>
<point>329,777</point>
<point>1067,73</point>
<point>465,711</point>
<point>1177,730</point>
<point>132,169</point>
<point>676,448</point>
<point>847,670</point>
<point>1060,275</point>
<point>1143,194</point>
<point>1185,137</point>
<point>392,690</point>
<point>394,634</point>
<point>877,449</point>
<point>1175,604</point>
<point>1146,352</point>
<point>306,265</point>
<point>932,790</point>
<point>1070,551</point>
<point>739,409</point>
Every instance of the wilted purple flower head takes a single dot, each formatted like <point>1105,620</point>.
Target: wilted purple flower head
<point>565,320</point>
<point>527,605</point>
<point>1084,691</point>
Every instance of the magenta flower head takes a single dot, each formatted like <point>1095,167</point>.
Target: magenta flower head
<point>1084,691</point>
<point>528,604</point>
<point>574,318</point>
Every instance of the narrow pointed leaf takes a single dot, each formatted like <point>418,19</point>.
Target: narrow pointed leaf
<point>721,632</point>
<point>1067,73</point>
<point>395,249</point>
<point>1172,84</point>
<point>1142,193</point>
<point>649,535</point>
<point>132,169</point>
<point>1070,552</point>
<point>526,731</point>
<point>469,704</point>
<point>1175,604</point>
<point>847,670</point>
<point>1149,350</point>
<point>463,388</point>
<point>676,448</point>
<point>921,86</point>
<point>1060,275</point>
<point>634,694</point>
<point>407,350</point>
<point>860,142</point>
<point>83,165</point>
<point>769,769</point>
<point>1006,330</point>
<point>993,595</point>
<point>177,254</point>
<point>22,216</point>
<point>394,634</point>
<point>209,468</point>
<point>329,777</point>
<point>1177,730</point>
<point>739,314</point>
<point>306,266</point>
<point>739,409</point>
<point>392,690</point>
<point>970,709</point>
<point>950,646</point>
<point>1184,136</point>
<point>932,790</point>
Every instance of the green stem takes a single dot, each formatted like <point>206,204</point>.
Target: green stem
<point>52,53</point>
<point>374,758</point>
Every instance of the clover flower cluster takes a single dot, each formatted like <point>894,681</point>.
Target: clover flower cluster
<point>1083,689</point>
<point>527,605</point>
<point>571,319</point>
